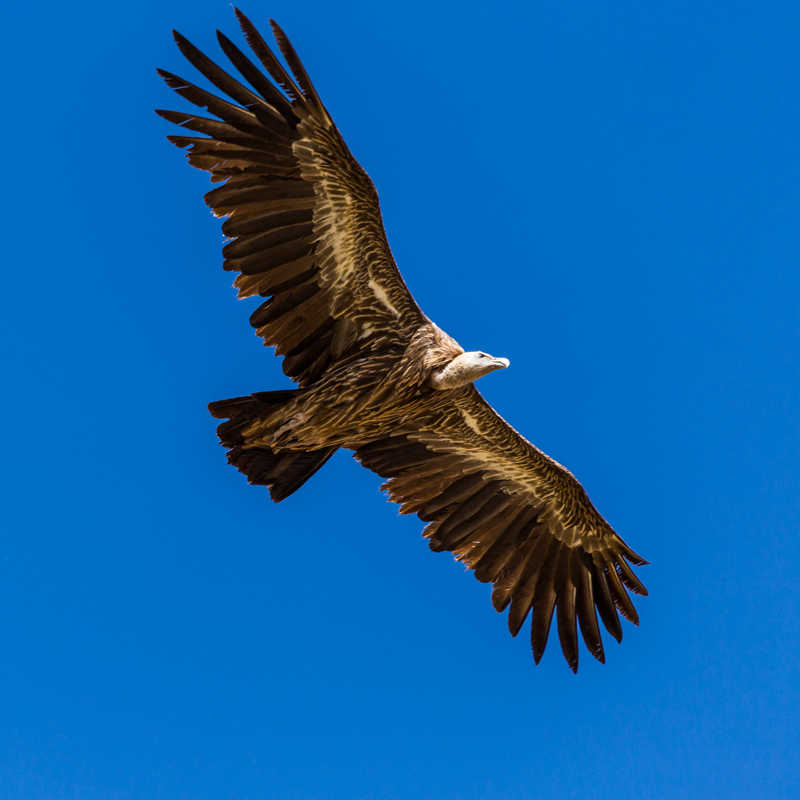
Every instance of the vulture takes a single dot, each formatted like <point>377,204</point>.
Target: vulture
<point>373,374</point>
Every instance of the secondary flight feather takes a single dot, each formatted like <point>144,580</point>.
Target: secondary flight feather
<point>373,373</point>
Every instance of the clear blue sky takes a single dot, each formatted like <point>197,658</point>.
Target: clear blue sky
<point>607,193</point>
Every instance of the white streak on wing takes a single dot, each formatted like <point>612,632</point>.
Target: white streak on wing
<point>472,422</point>
<point>337,239</point>
<point>383,298</point>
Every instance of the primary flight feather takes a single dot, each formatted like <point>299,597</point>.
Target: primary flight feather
<point>374,374</point>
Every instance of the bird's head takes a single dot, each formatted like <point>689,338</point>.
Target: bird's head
<point>465,369</point>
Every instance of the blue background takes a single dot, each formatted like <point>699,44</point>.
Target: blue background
<point>606,193</point>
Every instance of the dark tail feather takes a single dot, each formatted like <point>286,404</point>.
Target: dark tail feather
<point>241,411</point>
<point>284,472</point>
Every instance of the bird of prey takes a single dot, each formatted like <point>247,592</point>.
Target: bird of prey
<point>373,373</point>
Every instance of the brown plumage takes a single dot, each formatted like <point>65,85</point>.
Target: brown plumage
<point>373,373</point>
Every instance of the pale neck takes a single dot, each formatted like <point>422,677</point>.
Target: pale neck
<point>453,376</point>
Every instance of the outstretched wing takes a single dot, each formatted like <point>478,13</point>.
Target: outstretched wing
<point>302,215</point>
<point>516,517</point>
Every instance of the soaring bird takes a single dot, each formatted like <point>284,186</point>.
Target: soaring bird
<point>373,373</point>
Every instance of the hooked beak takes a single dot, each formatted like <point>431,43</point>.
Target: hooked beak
<point>501,363</point>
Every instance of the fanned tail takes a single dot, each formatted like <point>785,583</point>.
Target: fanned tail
<point>284,472</point>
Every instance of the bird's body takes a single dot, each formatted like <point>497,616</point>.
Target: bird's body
<point>373,373</point>
<point>365,397</point>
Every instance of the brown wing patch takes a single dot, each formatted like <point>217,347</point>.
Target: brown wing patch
<point>302,216</point>
<point>269,208</point>
<point>508,537</point>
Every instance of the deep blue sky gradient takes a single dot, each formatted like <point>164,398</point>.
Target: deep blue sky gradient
<point>606,193</point>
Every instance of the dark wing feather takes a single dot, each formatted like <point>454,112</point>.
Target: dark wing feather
<point>516,517</point>
<point>303,217</point>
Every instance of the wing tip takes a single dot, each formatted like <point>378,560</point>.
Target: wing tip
<point>184,45</point>
<point>172,80</point>
<point>595,646</point>
<point>629,612</point>
<point>630,554</point>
